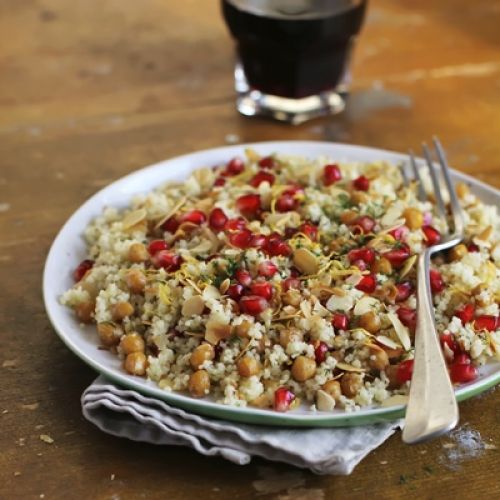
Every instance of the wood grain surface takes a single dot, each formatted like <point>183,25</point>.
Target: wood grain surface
<point>91,90</point>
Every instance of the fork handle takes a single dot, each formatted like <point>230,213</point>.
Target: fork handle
<point>432,407</point>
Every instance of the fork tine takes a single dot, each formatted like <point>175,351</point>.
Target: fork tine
<point>435,182</point>
<point>404,174</point>
<point>456,209</point>
<point>420,187</point>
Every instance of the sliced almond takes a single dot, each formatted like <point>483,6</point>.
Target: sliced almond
<point>205,177</point>
<point>211,293</point>
<point>387,341</point>
<point>396,400</point>
<point>401,331</point>
<point>408,265</point>
<point>252,155</point>
<point>193,306</point>
<point>324,402</point>
<point>133,218</point>
<point>485,235</point>
<point>366,304</point>
<point>305,261</point>
<point>224,285</point>
<point>349,368</point>
<point>216,331</point>
<point>336,303</point>
<point>171,212</point>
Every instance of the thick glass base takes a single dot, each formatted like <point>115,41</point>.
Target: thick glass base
<point>251,102</point>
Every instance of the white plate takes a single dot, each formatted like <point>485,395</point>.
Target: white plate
<point>69,249</point>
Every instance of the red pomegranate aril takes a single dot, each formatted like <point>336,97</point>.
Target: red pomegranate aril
<point>258,241</point>
<point>408,317</point>
<point>220,181</point>
<point>171,225</point>
<point>167,260</point>
<point>253,304</point>
<point>398,255</point>
<point>472,247</point>
<point>400,233</point>
<point>243,277</point>
<point>276,246</point>
<point>240,239</point>
<point>267,162</point>
<point>195,217</point>
<point>235,291</point>
<point>290,232</point>
<point>361,183</point>
<point>286,203</point>
<point>261,177</point>
<point>365,222</point>
<point>365,254</point>
<point>465,313</point>
<point>486,322</point>
<point>404,291</point>
<point>235,224</point>
<point>235,167</point>
<point>432,235</point>
<point>82,268</point>
<point>436,280</point>
<point>157,245</point>
<point>340,321</point>
<point>262,289</point>
<point>290,283</point>
<point>267,269</point>
<point>294,190</point>
<point>320,352</point>
<point>283,398</point>
<point>461,373</point>
<point>217,219</point>
<point>448,339</point>
<point>367,284</point>
<point>310,230</point>
<point>405,371</point>
<point>331,174</point>
<point>248,204</point>
<point>462,359</point>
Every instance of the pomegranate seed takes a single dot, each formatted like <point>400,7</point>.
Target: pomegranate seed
<point>405,371</point>
<point>261,177</point>
<point>267,162</point>
<point>404,291</point>
<point>465,313</point>
<point>310,230</point>
<point>276,246</point>
<point>235,167</point>
<point>432,235</point>
<point>156,245</point>
<point>340,321</point>
<point>267,269</point>
<point>408,317</point>
<point>367,284</point>
<point>437,283</point>
<point>81,270</point>
<point>171,225</point>
<point>294,272</point>
<point>462,359</point>
<point>294,190</point>
<point>253,304</point>
<point>248,204</point>
<point>290,232</point>
<point>365,254</point>
<point>472,247</point>
<point>320,352</point>
<point>365,222</point>
<point>168,260</point>
<point>283,398</point>
<point>400,233</point>
<point>361,183</point>
<point>290,283</point>
<point>235,291</point>
<point>220,181</point>
<point>195,217</point>
<point>449,340</point>
<point>461,373</point>
<point>217,219</point>
<point>240,239</point>
<point>262,289</point>
<point>243,277</point>
<point>235,224</point>
<point>398,255</point>
<point>258,241</point>
<point>331,174</point>
<point>486,322</point>
<point>286,203</point>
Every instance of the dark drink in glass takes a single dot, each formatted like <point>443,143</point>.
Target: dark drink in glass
<point>293,54</point>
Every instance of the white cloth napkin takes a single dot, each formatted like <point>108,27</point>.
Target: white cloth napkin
<point>128,414</point>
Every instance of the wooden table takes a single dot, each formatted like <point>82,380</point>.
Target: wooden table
<point>91,90</point>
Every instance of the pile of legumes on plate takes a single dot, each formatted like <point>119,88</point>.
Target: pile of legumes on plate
<point>274,280</point>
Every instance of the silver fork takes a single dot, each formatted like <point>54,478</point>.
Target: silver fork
<point>432,407</point>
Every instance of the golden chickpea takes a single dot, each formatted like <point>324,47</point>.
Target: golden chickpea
<point>199,384</point>
<point>414,218</point>
<point>289,335</point>
<point>332,387</point>
<point>137,253</point>
<point>462,190</point>
<point>382,266</point>
<point>393,353</point>
<point>392,374</point>
<point>132,342</point>
<point>292,298</point>
<point>121,310</point>
<point>248,366</point>
<point>351,384</point>
<point>201,354</point>
<point>85,311</point>
<point>456,253</point>
<point>109,334</point>
<point>243,328</point>
<point>358,197</point>
<point>348,216</point>
<point>136,281</point>
<point>378,358</point>
<point>370,321</point>
<point>303,368</point>
<point>135,363</point>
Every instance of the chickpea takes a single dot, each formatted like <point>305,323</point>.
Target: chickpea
<point>135,363</point>
<point>414,218</point>
<point>351,384</point>
<point>85,311</point>
<point>382,266</point>
<point>303,368</point>
<point>248,366</point>
<point>358,197</point>
<point>392,374</point>
<point>378,358</point>
<point>201,354</point>
<point>462,190</point>
<point>136,281</point>
<point>132,342</point>
<point>348,216</point>
<point>121,310</point>
<point>137,252</point>
<point>393,353</point>
<point>332,387</point>
<point>370,321</point>
<point>292,298</point>
<point>242,329</point>
<point>289,335</point>
<point>109,334</point>
<point>456,253</point>
<point>199,384</point>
